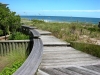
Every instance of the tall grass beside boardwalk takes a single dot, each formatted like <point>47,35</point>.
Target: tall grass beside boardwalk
<point>74,31</point>
<point>88,48</point>
<point>11,62</point>
<point>69,31</point>
<point>26,21</point>
<point>81,32</point>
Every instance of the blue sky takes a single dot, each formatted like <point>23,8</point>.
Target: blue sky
<point>76,8</point>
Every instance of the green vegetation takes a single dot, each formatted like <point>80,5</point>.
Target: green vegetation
<point>99,25</point>
<point>11,62</point>
<point>9,21</point>
<point>26,21</point>
<point>10,24</point>
<point>82,36</point>
<point>88,48</point>
<point>18,36</point>
<point>12,69</point>
<point>37,21</point>
<point>70,31</point>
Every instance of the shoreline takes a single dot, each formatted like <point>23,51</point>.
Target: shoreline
<point>59,16</point>
<point>63,19</point>
<point>52,21</point>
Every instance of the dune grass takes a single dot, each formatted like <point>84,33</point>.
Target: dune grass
<point>69,31</point>
<point>11,62</point>
<point>87,48</point>
<point>78,34</point>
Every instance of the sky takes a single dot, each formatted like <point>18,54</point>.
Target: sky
<point>74,8</point>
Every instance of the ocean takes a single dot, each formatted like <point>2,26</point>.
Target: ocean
<point>64,19</point>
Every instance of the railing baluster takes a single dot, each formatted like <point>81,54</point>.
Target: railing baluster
<point>7,47</point>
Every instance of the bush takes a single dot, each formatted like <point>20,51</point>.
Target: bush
<point>37,21</point>
<point>88,48</point>
<point>18,36</point>
<point>1,32</point>
<point>12,61</point>
<point>9,21</point>
<point>12,69</point>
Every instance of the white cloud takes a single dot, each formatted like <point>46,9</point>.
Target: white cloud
<point>68,10</point>
<point>32,11</point>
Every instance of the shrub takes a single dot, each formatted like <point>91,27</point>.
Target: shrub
<point>37,21</point>
<point>12,61</point>
<point>88,48</point>
<point>9,21</point>
<point>12,69</point>
<point>1,32</point>
<point>18,36</point>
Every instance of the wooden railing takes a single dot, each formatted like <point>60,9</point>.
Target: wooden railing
<point>26,29</point>
<point>30,66</point>
<point>9,46</point>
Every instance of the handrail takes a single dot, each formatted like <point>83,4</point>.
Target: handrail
<point>30,66</point>
<point>14,41</point>
<point>36,34</point>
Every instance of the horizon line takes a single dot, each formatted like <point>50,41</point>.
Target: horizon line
<point>60,16</point>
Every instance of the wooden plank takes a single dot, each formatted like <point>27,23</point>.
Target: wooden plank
<point>1,49</point>
<point>10,47</point>
<point>98,65</point>
<point>92,67</point>
<point>43,32</point>
<point>13,46</point>
<point>52,71</point>
<point>69,72</point>
<point>40,72</point>
<point>7,48</point>
<point>66,64</point>
<point>65,60</point>
<point>4,49</point>
<point>15,41</point>
<point>69,56</point>
<point>81,71</point>
<point>49,40</point>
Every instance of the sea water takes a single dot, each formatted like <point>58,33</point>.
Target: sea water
<point>64,19</point>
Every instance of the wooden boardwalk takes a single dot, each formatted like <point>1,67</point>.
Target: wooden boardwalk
<point>60,59</point>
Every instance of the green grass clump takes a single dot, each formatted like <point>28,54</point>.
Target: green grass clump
<point>34,21</point>
<point>18,36</point>
<point>69,31</point>
<point>12,69</point>
<point>74,31</point>
<point>87,48</point>
<point>12,61</point>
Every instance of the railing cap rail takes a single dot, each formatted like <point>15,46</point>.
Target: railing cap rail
<point>35,33</point>
<point>14,41</point>
<point>34,57</point>
<point>26,26</point>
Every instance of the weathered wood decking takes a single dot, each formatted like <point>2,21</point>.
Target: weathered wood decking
<point>60,59</point>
